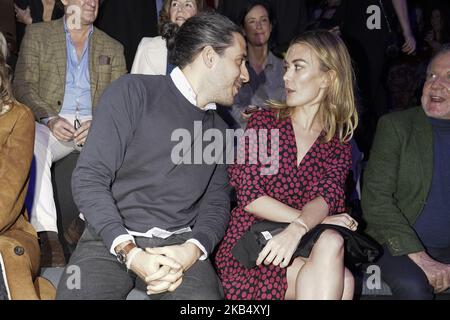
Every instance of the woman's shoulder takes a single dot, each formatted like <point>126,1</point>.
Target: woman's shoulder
<point>337,146</point>
<point>152,42</point>
<point>17,110</point>
<point>262,119</point>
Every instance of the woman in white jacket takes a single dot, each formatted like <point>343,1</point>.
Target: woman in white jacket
<point>151,55</point>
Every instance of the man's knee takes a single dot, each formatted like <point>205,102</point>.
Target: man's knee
<point>212,292</point>
<point>411,287</point>
<point>199,283</point>
<point>94,281</point>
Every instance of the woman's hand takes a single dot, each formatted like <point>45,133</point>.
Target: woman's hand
<point>409,47</point>
<point>23,16</point>
<point>343,220</point>
<point>280,248</point>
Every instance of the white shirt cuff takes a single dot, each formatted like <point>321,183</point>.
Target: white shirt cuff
<point>201,247</point>
<point>119,240</point>
<point>45,121</point>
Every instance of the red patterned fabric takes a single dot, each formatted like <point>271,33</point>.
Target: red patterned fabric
<point>322,172</point>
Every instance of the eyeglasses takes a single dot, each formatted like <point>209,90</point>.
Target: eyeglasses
<point>76,122</point>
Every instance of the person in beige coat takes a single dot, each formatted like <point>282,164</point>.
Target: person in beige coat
<point>19,248</point>
<point>151,55</point>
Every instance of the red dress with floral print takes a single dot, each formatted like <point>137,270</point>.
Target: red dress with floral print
<point>322,172</point>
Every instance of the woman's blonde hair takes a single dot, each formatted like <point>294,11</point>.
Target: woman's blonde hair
<point>337,110</point>
<point>6,96</point>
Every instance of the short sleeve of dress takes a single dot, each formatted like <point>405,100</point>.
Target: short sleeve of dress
<point>248,176</point>
<point>331,185</point>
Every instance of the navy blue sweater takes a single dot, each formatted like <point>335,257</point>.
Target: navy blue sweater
<point>433,224</point>
<point>125,176</point>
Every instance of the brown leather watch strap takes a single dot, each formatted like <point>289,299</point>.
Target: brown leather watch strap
<point>127,248</point>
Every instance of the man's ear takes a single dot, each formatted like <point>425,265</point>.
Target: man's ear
<point>65,2</point>
<point>209,56</point>
<point>328,78</point>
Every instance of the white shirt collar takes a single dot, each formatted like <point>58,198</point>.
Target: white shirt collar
<point>182,84</point>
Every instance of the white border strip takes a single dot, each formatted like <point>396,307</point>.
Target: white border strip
<point>4,277</point>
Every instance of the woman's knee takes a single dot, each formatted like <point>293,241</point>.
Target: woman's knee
<point>330,241</point>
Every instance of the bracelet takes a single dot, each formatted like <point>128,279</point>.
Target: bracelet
<point>131,256</point>
<point>302,223</point>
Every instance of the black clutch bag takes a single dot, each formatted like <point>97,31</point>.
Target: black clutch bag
<point>359,248</point>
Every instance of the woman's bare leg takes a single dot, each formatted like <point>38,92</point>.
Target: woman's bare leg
<point>291,274</point>
<point>349,285</point>
<point>322,277</point>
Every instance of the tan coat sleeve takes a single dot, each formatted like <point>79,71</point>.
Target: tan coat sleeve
<point>15,158</point>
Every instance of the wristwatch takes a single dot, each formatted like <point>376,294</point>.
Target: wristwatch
<point>123,253</point>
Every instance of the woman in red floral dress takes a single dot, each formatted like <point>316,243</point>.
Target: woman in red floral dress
<point>306,186</point>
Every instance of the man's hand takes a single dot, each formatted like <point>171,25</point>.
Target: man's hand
<point>343,220</point>
<point>169,282</point>
<point>81,134</point>
<point>438,274</point>
<point>161,273</point>
<point>185,254</point>
<point>280,248</point>
<point>61,128</point>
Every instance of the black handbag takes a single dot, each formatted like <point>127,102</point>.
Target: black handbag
<point>359,248</point>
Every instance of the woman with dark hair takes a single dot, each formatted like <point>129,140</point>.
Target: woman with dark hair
<point>265,69</point>
<point>151,55</point>
<point>311,133</point>
<point>439,32</point>
<point>19,248</point>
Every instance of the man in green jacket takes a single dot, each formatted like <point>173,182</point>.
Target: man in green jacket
<point>406,193</point>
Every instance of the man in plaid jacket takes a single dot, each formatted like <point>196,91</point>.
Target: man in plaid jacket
<point>62,70</point>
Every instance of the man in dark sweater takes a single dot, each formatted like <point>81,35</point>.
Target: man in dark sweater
<point>406,190</point>
<point>137,189</point>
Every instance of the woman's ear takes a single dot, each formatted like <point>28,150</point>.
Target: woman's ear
<point>328,78</point>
